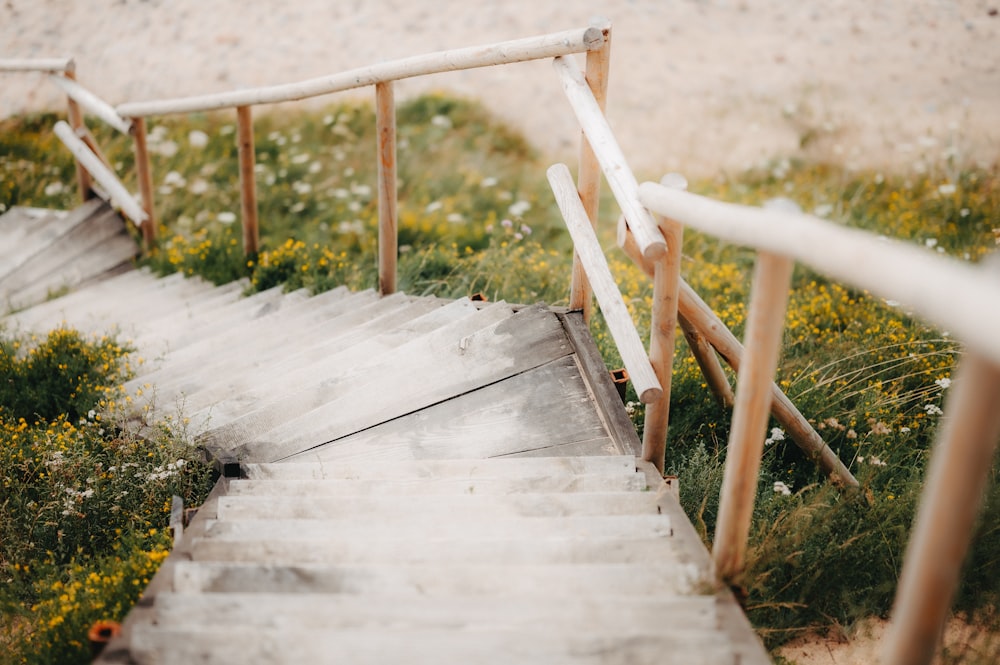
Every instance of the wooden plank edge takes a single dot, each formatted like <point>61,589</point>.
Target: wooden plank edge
<point>733,622</point>
<point>595,375</point>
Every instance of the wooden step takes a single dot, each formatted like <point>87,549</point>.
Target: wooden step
<point>649,579</point>
<point>442,468</point>
<point>39,232</point>
<point>340,379</point>
<point>316,611</point>
<point>407,487</point>
<point>406,549</point>
<point>507,417</point>
<point>257,646</point>
<point>429,370</point>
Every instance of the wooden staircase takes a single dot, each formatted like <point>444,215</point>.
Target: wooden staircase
<point>405,479</point>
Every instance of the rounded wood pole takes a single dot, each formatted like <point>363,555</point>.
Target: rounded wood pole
<point>83,179</point>
<point>765,323</point>
<point>956,479</point>
<point>144,175</point>
<point>388,239</point>
<point>248,185</point>
<point>589,176</point>
<point>662,339</point>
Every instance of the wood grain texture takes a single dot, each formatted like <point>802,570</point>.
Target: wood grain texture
<point>388,241</point>
<point>616,313</point>
<point>144,177</point>
<point>765,324</point>
<point>517,50</point>
<point>248,180</point>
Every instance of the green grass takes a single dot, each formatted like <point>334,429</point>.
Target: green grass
<point>476,215</point>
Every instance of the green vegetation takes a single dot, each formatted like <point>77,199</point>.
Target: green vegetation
<point>475,215</point>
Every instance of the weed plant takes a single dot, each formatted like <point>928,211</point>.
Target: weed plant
<point>475,216</point>
<point>84,503</point>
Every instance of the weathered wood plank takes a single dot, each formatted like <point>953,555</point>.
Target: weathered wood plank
<point>256,646</point>
<point>617,465</point>
<point>471,505</point>
<point>595,372</point>
<point>38,238</point>
<point>510,416</point>
<point>432,580</point>
<point>426,371</point>
<point>409,550</point>
<point>331,611</point>
<point>406,487</point>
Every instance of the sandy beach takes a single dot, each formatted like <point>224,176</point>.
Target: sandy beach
<point>697,87</point>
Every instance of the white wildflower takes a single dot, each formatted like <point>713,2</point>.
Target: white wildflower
<point>518,208</point>
<point>782,488</point>
<point>53,188</point>
<point>947,189</point>
<point>165,149</point>
<point>301,159</point>
<point>455,218</point>
<point>933,410</point>
<point>197,138</point>
<point>302,188</point>
<point>488,182</point>
<point>174,179</point>
<point>777,434</point>
<point>433,206</point>
<point>226,217</point>
<point>943,383</point>
<point>199,186</point>
<point>442,121</point>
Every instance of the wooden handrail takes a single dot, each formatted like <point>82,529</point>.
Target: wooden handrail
<point>37,65</point>
<point>620,178</point>
<point>92,103</point>
<point>922,280</point>
<point>695,314</point>
<point>101,173</point>
<point>518,50</point>
<point>588,181</point>
<point>765,323</point>
<point>619,321</point>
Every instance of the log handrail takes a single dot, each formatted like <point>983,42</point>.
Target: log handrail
<point>924,281</point>
<point>616,315</point>
<point>92,103</point>
<point>106,178</point>
<point>616,171</point>
<point>37,65</point>
<point>964,444</point>
<point>518,50</point>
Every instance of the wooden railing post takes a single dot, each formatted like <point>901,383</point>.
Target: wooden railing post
<point>388,241</point>
<point>662,334</point>
<point>248,185</point>
<point>765,323</point>
<point>145,177</point>
<point>83,179</point>
<point>589,176</point>
<point>956,479</point>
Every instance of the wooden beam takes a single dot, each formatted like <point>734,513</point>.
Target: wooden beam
<point>248,184</point>
<point>144,175</point>
<point>37,65</point>
<point>765,323</point>
<point>623,184</point>
<point>956,480</point>
<point>102,174</point>
<point>924,281</point>
<point>388,239</point>
<point>647,385</point>
<point>700,317</point>
<point>662,340</point>
<point>84,182</point>
<point>518,50</point>
<point>589,175</point>
<point>91,102</point>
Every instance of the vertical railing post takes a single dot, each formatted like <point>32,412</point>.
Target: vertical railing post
<point>956,479</point>
<point>663,332</point>
<point>385,127</point>
<point>589,176</point>
<point>144,175</point>
<point>248,185</point>
<point>83,179</point>
<point>765,323</point>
